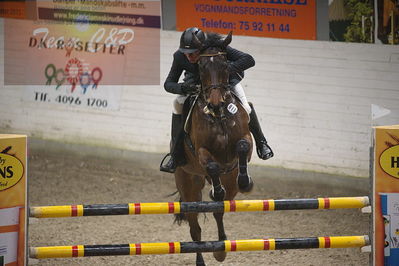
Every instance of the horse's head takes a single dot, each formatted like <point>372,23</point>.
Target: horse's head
<point>213,69</point>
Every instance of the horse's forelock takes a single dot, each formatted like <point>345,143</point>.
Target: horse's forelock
<point>213,66</point>
<point>215,61</point>
<point>213,39</point>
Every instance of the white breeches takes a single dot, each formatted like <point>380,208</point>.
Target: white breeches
<point>237,90</point>
<point>178,104</point>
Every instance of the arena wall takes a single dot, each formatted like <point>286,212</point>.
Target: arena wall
<point>313,99</point>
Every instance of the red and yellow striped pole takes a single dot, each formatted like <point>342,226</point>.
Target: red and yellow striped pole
<point>185,207</point>
<point>194,247</point>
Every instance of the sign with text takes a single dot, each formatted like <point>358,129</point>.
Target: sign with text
<point>291,19</point>
<point>386,195</point>
<point>13,199</point>
<point>21,9</point>
<point>101,98</point>
<point>71,45</point>
<point>81,52</point>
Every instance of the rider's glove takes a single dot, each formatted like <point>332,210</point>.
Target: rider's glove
<point>190,78</point>
<point>188,88</point>
<point>190,81</point>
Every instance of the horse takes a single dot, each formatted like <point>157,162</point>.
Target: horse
<point>219,142</point>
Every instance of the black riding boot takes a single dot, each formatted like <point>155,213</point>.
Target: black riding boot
<point>262,148</point>
<point>171,165</point>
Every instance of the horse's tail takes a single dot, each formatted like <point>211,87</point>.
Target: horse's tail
<point>172,194</point>
<point>179,217</point>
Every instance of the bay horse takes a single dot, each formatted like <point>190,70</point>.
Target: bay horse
<point>220,143</point>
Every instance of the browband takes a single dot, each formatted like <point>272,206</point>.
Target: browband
<point>215,54</point>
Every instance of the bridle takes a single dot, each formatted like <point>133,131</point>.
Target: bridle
<point>215,86</point>
<point>214,54</point>
<point>225,85</point>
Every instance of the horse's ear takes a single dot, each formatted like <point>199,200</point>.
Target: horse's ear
<point>227,40</point>
<point>197,43</point>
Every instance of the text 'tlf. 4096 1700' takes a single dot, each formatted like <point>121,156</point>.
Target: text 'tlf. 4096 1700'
<point>71,100</point>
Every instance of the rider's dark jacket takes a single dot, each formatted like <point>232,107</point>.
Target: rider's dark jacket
<point>238,62</point>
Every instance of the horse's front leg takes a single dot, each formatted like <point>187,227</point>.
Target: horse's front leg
<point>212,169</point>
<point>245,183</point>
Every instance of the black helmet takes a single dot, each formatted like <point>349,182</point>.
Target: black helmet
<point>187,43</point>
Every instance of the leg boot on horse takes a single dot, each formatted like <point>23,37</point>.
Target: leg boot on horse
<point>244,181</point>
<point>262,148</point>
<point>175,146</point>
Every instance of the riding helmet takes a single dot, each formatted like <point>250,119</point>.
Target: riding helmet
<point>187,43</point>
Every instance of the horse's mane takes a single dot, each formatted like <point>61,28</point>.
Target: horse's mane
<point>213,39</point>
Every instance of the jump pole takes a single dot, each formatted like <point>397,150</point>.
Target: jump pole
<point>186,207</point>
<point>193,247</point>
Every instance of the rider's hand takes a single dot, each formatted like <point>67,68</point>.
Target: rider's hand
<point>189,81</point>
<point>190,78</point>
<point>188,88</point>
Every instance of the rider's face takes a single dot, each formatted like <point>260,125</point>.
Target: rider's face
<point>193,57</point>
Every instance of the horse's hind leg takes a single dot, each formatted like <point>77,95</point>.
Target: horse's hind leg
<point>190,188</point>
<point>195,232</point>
<point>245,183</point>
<point>220,255</point>
<point>229,182</point>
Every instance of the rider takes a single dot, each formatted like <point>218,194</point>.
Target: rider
<point>186,58</point>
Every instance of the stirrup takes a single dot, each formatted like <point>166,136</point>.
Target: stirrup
<point>259,148</point>
<point>169,167</point>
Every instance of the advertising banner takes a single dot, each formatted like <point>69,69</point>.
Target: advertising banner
<point>386,195</point>
<point>18,9</point>
<point>13,203</point>
<point>291,19</point>
<point>81,53</point>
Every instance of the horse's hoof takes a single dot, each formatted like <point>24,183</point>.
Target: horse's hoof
<point>200,260</point>
<point>200,264</point>
<point>218,195</point>
<point>219,255</point>
<point>245,183</point>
